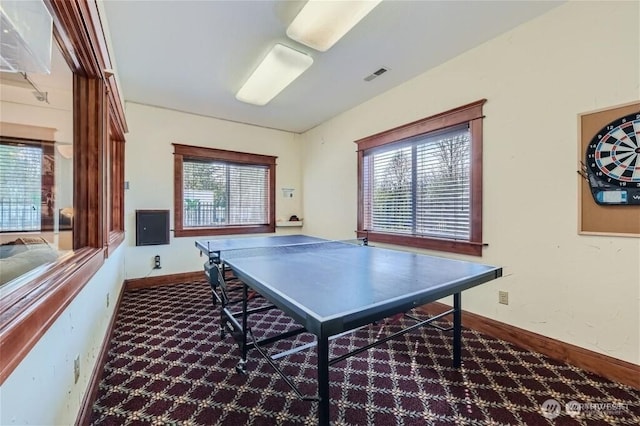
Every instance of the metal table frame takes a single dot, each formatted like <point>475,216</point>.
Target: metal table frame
<point>235,322</point>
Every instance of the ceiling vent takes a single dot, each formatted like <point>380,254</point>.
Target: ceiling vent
<point>26,33</point>
<point>376,74</point>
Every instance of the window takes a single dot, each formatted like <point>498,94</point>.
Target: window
<point>223,192</point>
<point>22,194</point>
<point>420,184</point>
<point>31,303</point>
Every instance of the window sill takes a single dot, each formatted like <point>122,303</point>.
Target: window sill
<point>228,230</point>
<point>451,246</point>
<point>29,310</point>
<point>289,224</point>
<point>115,239</point>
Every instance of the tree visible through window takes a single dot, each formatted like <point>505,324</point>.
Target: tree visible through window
<point>223,192</point>
<point>420,184</point>
<point>420,189</point>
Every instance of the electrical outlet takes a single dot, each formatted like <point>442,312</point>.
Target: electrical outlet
<point>76,369</point>
<point>503,297</point>
<point>156,262</point>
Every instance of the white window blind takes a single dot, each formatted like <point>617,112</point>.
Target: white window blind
<point>420,186</point>
<point>20,187</point>
<point>224,194</point>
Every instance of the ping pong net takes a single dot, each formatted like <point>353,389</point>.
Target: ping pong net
<point>225,287</point>
<point>285,250</point>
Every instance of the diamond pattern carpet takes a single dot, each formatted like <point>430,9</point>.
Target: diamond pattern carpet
<point>167,364</point>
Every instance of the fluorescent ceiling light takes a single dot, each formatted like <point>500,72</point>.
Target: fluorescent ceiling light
<point>277,70</point>
<point>321,23</point>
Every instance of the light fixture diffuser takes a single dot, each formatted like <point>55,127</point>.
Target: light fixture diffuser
<point>277,70</point>
<point>320,23</point>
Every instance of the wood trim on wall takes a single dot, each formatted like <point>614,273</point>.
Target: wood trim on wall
<point>226,230</point>
<point>27,319</point>
<point>117,185</point>
<point>603,365</point>
<point>470,114</point>
<point>38,299</point>
<point>461,247</point>
<point>475,127</point>
<point>146,282</point>
<point>115,239</point>
<point>462,114</point>
<point>95,33</point>
<point>182,152</point>
<point>89,137</point>
<point>178,196</point>
<point>78,30</point>
<point>70,33</point>
<point>222,154</point>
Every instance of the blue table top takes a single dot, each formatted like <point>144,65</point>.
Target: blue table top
<point>330,287</point>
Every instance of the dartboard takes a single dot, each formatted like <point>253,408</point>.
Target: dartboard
<point>613,162</point>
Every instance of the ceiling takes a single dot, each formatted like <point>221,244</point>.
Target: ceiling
<point>193,56</point>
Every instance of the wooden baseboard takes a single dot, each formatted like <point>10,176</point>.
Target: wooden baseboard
<point>603,365</point>
<point>84,416</point>
<point>138,283</point>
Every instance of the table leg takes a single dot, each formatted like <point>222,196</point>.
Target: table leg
<point>323,380</point>
<point>243,342</point>
<point>457,329</point>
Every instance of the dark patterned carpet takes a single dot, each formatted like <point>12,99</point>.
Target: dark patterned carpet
<point>168,365</point>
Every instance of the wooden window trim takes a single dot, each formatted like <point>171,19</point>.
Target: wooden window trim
<point>29,311</point>
<point>38,299</point>
<point>470,113</point>
<point>115,200</point>
<point>187,151</point>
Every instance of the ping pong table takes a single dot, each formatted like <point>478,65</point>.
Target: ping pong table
<point>332,287</point>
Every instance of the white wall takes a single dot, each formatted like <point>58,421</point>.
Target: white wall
<point>41,390</point>
<point>149,171</point>
<point>537,78</point>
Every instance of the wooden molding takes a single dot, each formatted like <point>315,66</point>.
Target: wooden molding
<point>205,153</point>
<point>471,114</point>
<point>451,246</point>
<point>226,230</point>
<point>31,308</point>
<point>89,137</point>
<point>79,32</point>
<point>186,152</point>
<point>86,406</point>
<point>116,183</point>
<point>462,114</point>
<point>26,320</point>
<point>137,283</point>
<point>115,239</point>
<point>603,365</point>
